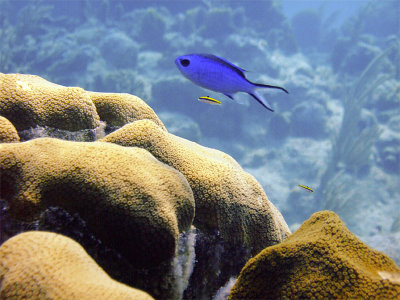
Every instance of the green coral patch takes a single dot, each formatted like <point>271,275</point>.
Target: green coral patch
<point>321,260</point>
<point>128,198</point>
<point>29,101</point>
<point>45,265</point>
<point>118,109</point>
<point>228,199</point>
<point>8,133</point>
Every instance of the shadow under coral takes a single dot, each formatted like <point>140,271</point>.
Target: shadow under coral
<point>202,265</point>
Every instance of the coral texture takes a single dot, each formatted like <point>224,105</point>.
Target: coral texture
<point>8,133</point>
<point>118,109</point>
<point>45,265</point>
<point>321,260</point>
<point>228,199</point>
<point>29,100</point>
<point>129,199</point>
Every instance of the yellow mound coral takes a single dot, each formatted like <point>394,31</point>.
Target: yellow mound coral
<point>44,265</point>
<point>29,101</point>
<point>8,133</point>
<point>132,201</point>
<point>321,260</point>
<point>118,109</point>
<point>227,198</point>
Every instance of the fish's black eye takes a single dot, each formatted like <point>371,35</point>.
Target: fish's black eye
<point>185,62</point>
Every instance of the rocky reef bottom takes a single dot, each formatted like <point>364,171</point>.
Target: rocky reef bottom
<point>322,259</point>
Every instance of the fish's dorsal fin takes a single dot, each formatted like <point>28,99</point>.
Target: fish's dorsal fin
<point>226,63</point>
<point>231,64</point>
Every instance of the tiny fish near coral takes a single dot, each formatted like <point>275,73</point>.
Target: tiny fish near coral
<point>219,75</point>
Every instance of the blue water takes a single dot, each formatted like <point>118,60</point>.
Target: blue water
<point>344,9</point>
<point>316,49</point>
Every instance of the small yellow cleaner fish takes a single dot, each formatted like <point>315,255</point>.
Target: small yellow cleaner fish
<point>306,188</point>
<point>209,100</point>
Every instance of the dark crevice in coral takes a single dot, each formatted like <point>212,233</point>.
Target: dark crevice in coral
<point>216,262</point>
<point>86,135</point>
<point>159,281</point>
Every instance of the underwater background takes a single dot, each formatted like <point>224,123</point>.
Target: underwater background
<point>337,131</point>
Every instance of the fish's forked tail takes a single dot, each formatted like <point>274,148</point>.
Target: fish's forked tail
<point>260,85</point>
<point>261,100</point>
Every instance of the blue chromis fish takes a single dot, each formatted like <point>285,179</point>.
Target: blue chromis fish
<point>219,75</point>
<point>306,188</point>
<point>207,99</point>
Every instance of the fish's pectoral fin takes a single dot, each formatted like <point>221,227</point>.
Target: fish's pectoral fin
<point>261,100</point>
<point>229,96</point>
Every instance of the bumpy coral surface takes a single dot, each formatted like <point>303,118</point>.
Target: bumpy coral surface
<point>44,265</point>
<point>118,109</point>
<point>227,198</point>
<point>29,100</point>
<point>129,199</point>
<point>8,133</point>
<point>321,260</point>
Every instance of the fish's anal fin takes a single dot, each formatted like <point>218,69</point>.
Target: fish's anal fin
<point>261,100</point>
